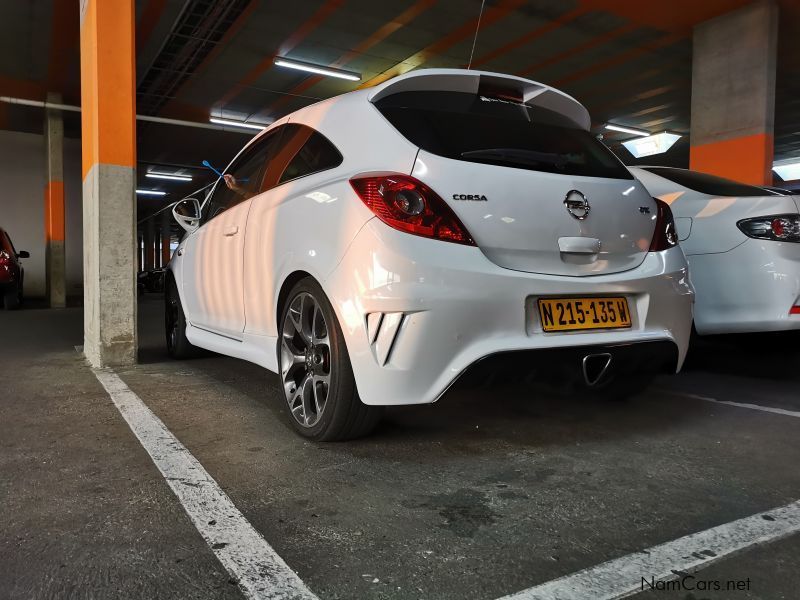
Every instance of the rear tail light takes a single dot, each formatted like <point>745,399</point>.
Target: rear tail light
<point>780,228</point>
<point>665,236</point>
<point>795,310</point>
<point>407,204</point>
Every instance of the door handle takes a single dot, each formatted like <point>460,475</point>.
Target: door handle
<point>231,230</point>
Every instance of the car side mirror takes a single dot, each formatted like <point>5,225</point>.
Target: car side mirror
<point>23,254</point>
<point>187,214</point>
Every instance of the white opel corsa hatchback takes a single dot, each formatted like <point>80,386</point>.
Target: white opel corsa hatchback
<point>372,247</point>
<point>743,247</point>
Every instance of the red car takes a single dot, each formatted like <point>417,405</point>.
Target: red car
<point>12,274</point>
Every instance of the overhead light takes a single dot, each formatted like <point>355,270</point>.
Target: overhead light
<point>150,193</point>
<point>652,144</point>
<point>300,65</point>
<point>788,170</point>
<point>171,176</point>
<point>631,130</point>
<point>233,123</point>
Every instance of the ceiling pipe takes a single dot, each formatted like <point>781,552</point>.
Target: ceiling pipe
<point>146,118</point>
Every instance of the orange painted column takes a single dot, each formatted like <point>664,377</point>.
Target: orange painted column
<point>733,94</point>
<point>108,140</point>
<point>54,213</point>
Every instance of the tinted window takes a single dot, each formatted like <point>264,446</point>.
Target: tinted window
<point>707,184</point>
<point>472,128</point>
<point>313,152</point>
<point>246,176</point>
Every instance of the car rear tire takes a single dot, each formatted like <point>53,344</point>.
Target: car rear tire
<point>178,344</point>
<point>315,370</point>
<point>12,298</point>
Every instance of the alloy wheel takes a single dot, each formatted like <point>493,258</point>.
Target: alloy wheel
<point>305,359</point>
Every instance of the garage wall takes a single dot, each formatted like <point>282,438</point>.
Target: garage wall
<point>22,174</point>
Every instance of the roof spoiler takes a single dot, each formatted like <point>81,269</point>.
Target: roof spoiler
<point>506,87</point>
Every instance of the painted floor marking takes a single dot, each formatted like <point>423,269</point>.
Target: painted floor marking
<point>245,554</point>
<point>769,409</point>
<point>622,577</point>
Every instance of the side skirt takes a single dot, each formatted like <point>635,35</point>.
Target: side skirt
<point>258,349</point>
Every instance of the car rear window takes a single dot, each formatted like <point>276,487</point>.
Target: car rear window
<point>707,184</point>
<point>474,128</point>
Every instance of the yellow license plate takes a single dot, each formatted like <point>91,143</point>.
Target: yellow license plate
<point>572,314</point>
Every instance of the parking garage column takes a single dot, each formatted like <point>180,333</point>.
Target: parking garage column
<point>149,244</point>
<point>733,94</point>
<point>55,263</point>
<point>166,236</point>
<point>108,109</point>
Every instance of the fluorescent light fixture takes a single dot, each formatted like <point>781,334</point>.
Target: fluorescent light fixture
<point>171,176</point>
<point>300,65</point>
<point>150,193</point>
<point>788,170</point>
<point>631,130</point>
<point>233,123</point>
<point>652,144</point>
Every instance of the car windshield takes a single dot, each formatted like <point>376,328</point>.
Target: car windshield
<point>474,128</point>
<point>708,184</point>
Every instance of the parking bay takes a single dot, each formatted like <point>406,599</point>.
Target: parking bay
<point>487,492</point>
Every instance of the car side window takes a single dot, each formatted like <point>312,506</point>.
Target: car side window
<point>243,178</point>
<point>303,151</point>
<point>315,154</point>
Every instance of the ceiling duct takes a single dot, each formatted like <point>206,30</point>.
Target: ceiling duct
<point>198,29</point>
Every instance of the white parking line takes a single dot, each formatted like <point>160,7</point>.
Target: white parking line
<point>626,576</point>
<point>769,409</point>
<point>259,571</point>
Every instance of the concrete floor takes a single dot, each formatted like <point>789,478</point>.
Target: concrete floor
<point>488,492</point>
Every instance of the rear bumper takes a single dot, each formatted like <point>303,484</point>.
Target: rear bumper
<point>748,289</point>
<point>416,313</point>
<point>567,366</point>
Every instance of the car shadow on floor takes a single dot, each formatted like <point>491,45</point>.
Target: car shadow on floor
<point>774,356</point>
<point>473,411</point>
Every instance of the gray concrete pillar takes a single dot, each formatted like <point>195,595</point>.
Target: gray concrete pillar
<point>54,211</point>
<point>149,244</point>
<point>733,94</point>
<point>166,237</point>
<point>108,145</point>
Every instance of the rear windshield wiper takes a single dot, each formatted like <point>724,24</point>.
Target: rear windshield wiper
<point>518,155</point>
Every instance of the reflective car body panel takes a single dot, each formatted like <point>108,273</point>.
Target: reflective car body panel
<point>742,284</point>
<point>507,234</point>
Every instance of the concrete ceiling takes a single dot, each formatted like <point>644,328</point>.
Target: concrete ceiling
<point>628,61</point>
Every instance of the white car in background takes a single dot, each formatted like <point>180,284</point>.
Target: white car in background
<point>372,247</point>
<point>743,247</point>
